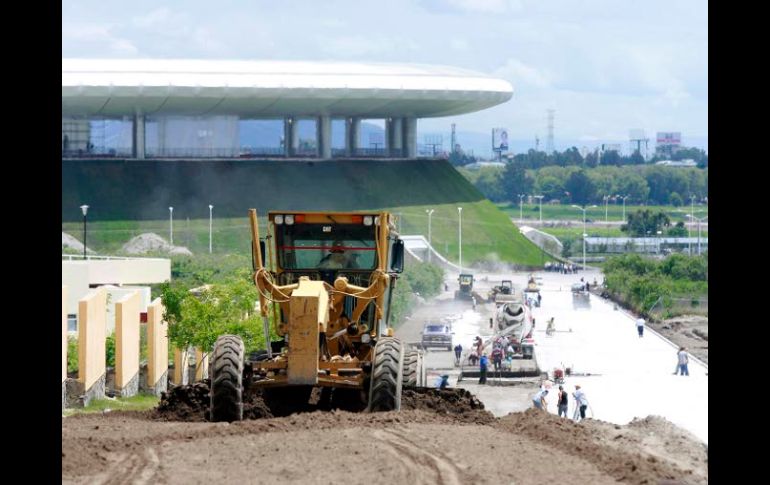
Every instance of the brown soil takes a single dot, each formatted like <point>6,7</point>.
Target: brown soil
<point>438,437</point>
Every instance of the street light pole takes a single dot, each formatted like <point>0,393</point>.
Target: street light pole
<point>84,208</point>
<point>584,209</point>
<point>624,208</point>
<point>171,225</point>
<point>211,208</point>
<point>430,240</point>
<point>692,214</point>
<point>460,235</point>
<point>541,207</point>
<point>521,208</point>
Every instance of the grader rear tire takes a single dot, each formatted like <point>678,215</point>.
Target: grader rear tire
<point>414,368</point>
<point>227,379</point>
<point>387,376</point>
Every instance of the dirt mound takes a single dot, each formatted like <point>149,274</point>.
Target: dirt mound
<point>455,402</point>
<point>150,242</point>
<point>70,242</point>
<point>191,403</point>
<point>645,451</point>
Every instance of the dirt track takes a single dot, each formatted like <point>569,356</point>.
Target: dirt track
<point>446,440</point>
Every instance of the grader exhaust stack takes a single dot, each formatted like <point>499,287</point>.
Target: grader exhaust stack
<point>327,286</point>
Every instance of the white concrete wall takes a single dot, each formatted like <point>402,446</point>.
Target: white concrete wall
<point>78,275</point>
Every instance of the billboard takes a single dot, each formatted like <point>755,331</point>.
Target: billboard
<point>500,139</point>
<point>669,138</point>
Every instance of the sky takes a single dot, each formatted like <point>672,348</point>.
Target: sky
<point>604,66</point>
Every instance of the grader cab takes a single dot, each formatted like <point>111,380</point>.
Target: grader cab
<point>326,281</point>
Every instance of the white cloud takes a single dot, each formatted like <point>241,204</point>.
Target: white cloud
<point>98,37</point>
<point>519,73</point>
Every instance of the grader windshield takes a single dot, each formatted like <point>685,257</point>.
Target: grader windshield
<point>347,243</point>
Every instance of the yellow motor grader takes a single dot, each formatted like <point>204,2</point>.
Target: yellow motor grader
<point>327,279</point>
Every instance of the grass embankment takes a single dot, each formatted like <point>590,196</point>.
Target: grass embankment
<point>614,212</point>
<point>124,205</point>
<point>488,235</point>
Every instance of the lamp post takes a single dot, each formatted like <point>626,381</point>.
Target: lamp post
<point>692,214</point>
<point>606,214</point>
<point>460,235</point>
<point>699,219</point>
<point>624,206</point>
<point>541,207</point>
<point>171,225</point>
<point>211,208</point>
<point>430,241</point>
<point>521,208</point>
<point>584,209</point>
<point>659,233</point>
<point>84,208</point>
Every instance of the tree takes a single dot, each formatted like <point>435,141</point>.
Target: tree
<point>218,309</point>
<point>677,231</point>
<point>591,160</point>
<point>645,221</point>
<point>580,187</point>
<point>515,181</point>
<point>675,199</point>
<point>636,158</point>
<point>610,157</point>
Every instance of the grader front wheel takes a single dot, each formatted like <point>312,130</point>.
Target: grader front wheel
<point>227,379</point>
<point>387,376</point>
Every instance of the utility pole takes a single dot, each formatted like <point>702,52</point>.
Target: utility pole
<point>430,241</point>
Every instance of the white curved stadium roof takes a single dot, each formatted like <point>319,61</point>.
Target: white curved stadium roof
<point>264,89</point>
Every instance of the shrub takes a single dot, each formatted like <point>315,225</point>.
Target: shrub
<point>72,354</point>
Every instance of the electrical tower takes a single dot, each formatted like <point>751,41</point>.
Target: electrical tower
<point>537,143</point>
<point>454,139</point>
<point>549,142</point>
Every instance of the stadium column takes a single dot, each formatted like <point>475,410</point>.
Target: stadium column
<point>138,141</point>
<point>324,136</point>
<point>410,137</point>
<point>290,136</point>
<point>395,131</point>
<point>352,128</point>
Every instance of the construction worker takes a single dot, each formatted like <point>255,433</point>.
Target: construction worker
<point>640,326</point>
<point>458,353</point>
<point>581,403</point>
<point>561,401</point>
<point>683,360</point>
<point>483,363</point>
<point>338,258</point>
<point>539,399</point>
<point>497,357</point>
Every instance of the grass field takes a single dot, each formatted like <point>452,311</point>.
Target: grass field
<point>140,402</point>
<point>614,212</point>
<point>488,234</point>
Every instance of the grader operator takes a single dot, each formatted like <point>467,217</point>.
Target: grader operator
<point>327,288</point>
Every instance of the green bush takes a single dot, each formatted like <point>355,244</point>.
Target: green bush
<point>72,354</point>
<point>110,350</point>
<point>641,281</point>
